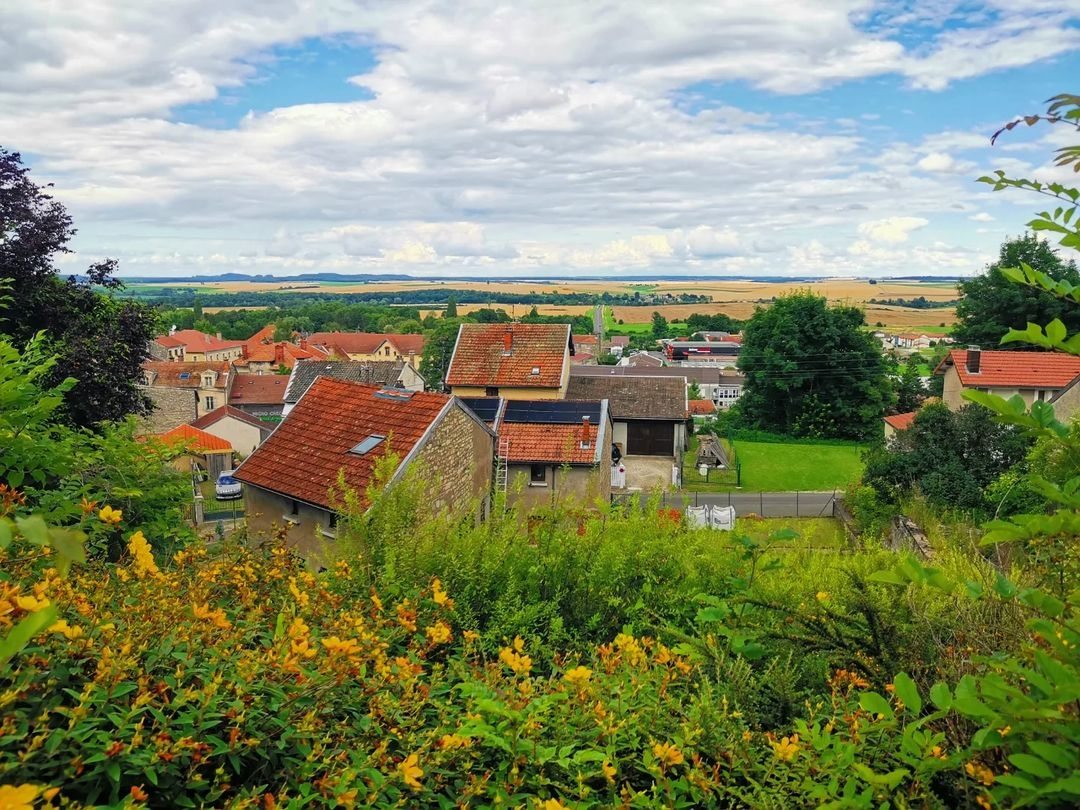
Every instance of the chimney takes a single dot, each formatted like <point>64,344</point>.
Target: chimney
<point>508,342</point>
<point>218,335</point>
<point>303,342</point>
<point>974,359</point>
<point>584,432</point>
<point>279,353</point>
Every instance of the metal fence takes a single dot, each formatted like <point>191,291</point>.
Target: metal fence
<point>764,504</point>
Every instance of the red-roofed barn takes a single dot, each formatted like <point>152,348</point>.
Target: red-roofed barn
<point>346,427</point>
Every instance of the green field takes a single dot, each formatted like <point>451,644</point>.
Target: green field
<point>768,467</point>
<point>613,327</point>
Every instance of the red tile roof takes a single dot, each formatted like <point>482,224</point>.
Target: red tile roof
<point>900,421</point>
<point>200,440</point>
<point>218,414</point>
<point>170,374</point>
<point>264,335</point>
<point>701,407</point>
<point>480,357</point>
<point>303,456</point>
<point>367,342</point>
<point>999,369</point>
<point>259,389</point>
<point>555,444</point>
<point>281,353</point>
<point>168,341</point>
<point>196,341</point>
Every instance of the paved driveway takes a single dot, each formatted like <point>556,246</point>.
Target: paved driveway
<point>647,473</point>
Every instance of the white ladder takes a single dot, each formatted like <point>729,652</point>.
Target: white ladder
<point>501,469</point>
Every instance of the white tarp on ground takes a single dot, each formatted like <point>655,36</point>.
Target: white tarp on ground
<point>716,517</point>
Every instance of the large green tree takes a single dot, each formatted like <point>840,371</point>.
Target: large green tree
<point>812,370</point>
<point>438,349</point>
<point>98,340</point>
<point>992,305</point>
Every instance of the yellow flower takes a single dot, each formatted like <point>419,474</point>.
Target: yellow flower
<point>142,556</point>
<point>19,797</point>
<point>515,658</point>
<point>471,635</point>
<point>976,770</point>
<point>109,515</point>
<point>30,604</point>
<point>609,770</point>
<point>69,632</point>
<point>578,676</point>
<point>984,802</point>
<point>668,754</point>
<point>217,617</point>
<point>822,596</point>
<point>552,804</point>
<point>439,595</point>
<point>785,748</point>
<point>411,771</point>
<point>439,633</point>
<point>336,646</point>
<point>452,741</point>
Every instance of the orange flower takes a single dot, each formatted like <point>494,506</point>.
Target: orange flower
<point>87,507</point>
<point>138,794</point>
<point>216,617</point>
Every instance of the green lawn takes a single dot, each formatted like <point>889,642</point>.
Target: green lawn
<point>814,533</point>
<point>768,467</point>
<point>693,481</point>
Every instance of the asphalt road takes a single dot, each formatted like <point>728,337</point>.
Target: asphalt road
<point>766,504</point>
<point>598,319</point>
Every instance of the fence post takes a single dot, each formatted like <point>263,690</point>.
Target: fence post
<point>761,503</point>
<point>797,512</point>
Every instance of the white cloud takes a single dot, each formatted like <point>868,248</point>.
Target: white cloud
<point>982,216</point>
<point>891,230</point>
<point>505,137</point>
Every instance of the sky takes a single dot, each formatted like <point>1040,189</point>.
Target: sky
<point>548,138</point>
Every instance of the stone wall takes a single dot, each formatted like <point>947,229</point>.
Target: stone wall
<point>171,407</point>
<point>308,530</point>
<point>458,458</point>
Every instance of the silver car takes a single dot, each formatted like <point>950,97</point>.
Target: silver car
<point>227,486</point>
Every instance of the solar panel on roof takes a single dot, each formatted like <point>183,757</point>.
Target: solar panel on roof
<point>551,412</point>
<point>486,408</point>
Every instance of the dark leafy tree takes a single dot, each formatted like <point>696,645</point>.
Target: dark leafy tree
<point>950,457</point>
<point>451,307</point>
<point>438,349</point>
<point>659,326</point>
<point>812,370</point>
<point>99,340</point>
<point>992,305</point>
<point>910,391</point>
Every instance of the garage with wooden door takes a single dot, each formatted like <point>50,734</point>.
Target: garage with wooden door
<point>649,437</point>
<point>648,414</point>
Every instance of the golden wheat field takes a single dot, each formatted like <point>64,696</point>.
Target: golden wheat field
<point>735,298</point>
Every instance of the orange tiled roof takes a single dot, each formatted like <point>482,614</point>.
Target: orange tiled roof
<point>367,342</point>
<point>303,456</point>
<point>480,357</point>
<point>999,369</point>
<point>264,335</point>
<point>281,353</point>
<point>900,421</point>
<point>171,374</point>
<point>201,441</point>
<point>555,444</point>
<point>701,407</point>
<point>258,389</point>
<point>168,341</point>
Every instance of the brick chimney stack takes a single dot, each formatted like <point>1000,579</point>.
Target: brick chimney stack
<point>508,342</point>
<point>584,431</point>
<point>974,359</point>
<point>279,353</point>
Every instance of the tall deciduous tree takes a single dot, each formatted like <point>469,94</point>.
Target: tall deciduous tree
<point>659,326</point>
<point>812,370</point>
<point>910,391</point>
<point>438,349</point>
<point>992,305</point>
<point>99,340</point>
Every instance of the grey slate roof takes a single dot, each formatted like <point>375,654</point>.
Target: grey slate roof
<point>371,372</point>
<point>634,397</point>
<point>699,374</point>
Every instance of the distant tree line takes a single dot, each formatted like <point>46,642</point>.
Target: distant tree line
<point>187,297</point>
<point>913,303</point>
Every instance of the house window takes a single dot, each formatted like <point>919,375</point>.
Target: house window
<point>209,403</point>
<point>332,520</point>
<point>491,391</point>
<point>538,475</point>
<point>294,508</point>
<point>386,351</point>
<point>1040,395</point>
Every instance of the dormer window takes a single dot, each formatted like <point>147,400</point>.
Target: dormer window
<point>368,444</point>
<point>535,371</point>
<point>208,380</point>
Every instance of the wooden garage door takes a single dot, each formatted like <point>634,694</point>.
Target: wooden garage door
<point>645,438</point>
